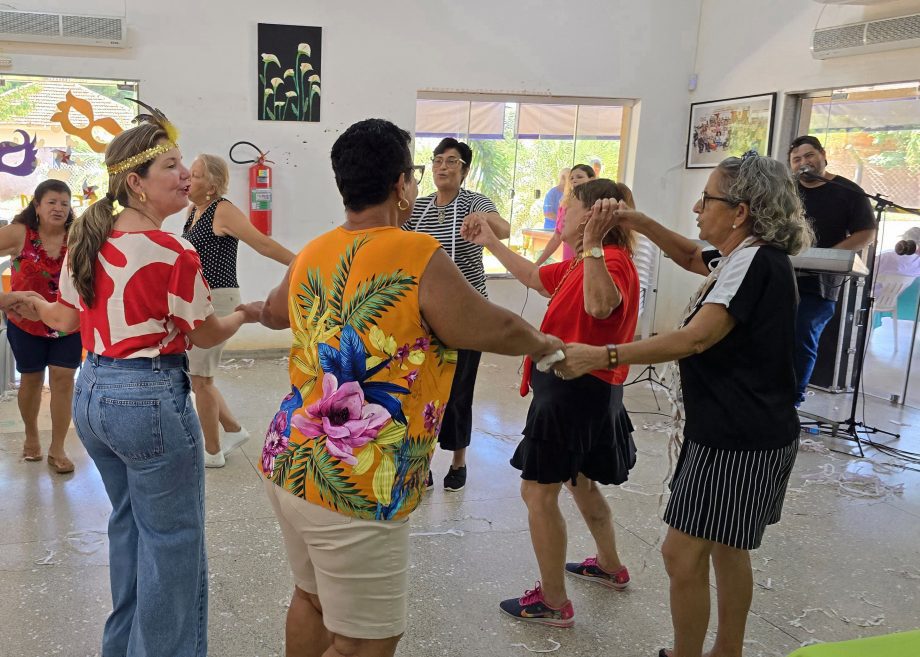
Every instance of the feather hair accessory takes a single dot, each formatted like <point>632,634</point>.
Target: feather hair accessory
<point>157,118</point>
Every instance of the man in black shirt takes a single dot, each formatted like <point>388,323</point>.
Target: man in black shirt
<point>841,219</point>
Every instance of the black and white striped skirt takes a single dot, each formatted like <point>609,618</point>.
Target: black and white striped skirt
<point>729,496</point>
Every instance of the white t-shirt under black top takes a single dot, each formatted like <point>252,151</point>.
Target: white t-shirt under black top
<point>740,393</point>
<point>444,222</point>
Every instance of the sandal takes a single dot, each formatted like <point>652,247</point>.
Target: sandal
<point>60,466</point>
<point>32,457</point>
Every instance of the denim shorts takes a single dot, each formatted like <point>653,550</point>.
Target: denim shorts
<point>33,353</point>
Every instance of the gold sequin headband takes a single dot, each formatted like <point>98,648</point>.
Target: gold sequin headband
<point>157,118</point>
<point>140,158</point>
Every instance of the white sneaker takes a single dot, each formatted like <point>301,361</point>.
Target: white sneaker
<point>233,439</point>
<point>214,460</point>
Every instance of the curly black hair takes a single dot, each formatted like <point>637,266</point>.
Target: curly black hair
<point>367,160</point>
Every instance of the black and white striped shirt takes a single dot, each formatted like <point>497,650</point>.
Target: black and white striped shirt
<point>444,222</point>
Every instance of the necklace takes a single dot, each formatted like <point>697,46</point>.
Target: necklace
<point>441,215</point>
<point>568,271</point>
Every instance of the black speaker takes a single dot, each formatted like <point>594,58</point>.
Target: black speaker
<point>835,367</point>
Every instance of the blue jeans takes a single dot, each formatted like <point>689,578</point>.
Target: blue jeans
<point>136,420</point>
<point>813,315</point>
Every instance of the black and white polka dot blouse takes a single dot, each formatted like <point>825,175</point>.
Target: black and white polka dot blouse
<point>217,252</point>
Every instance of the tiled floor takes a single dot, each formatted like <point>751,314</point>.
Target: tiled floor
<point>837,567</point>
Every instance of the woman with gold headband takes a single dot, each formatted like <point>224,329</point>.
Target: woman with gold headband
<point>140,299</point>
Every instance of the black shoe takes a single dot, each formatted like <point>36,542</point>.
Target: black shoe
<point>455,479</point>
<point>429,481</point>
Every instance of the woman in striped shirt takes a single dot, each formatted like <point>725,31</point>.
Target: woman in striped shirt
<point>734,348</point>
<point>442,215</point>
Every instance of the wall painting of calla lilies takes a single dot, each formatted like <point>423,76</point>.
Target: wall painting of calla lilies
<point>289,72</point>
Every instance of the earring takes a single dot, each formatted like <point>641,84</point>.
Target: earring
<point>402,204</point>
<point>143,197</point>
<point>207,198</point>
<point>734,226</point>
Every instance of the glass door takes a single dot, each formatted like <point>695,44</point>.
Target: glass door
<point>872,136</point>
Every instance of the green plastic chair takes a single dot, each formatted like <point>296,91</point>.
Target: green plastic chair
<point>903,644</point>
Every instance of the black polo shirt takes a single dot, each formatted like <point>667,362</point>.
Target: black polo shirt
<point>740,393</point>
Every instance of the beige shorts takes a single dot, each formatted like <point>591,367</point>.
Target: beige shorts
<point>359,569</point>
<point>204,362</point>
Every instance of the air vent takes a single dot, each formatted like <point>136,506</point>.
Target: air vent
<point>894,29</point>
<point>71,29</point>
<point>862,38</point>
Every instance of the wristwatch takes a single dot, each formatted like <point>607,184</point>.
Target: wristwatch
<point>595,252</point>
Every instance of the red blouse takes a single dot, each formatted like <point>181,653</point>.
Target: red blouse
<point>34,270</point>
<point>567,319</point>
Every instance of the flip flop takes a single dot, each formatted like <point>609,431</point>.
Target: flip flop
<point>63,466</point>
<point>32,457</point>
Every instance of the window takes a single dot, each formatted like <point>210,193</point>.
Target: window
<point>28,105</point>
<point>519,146</point>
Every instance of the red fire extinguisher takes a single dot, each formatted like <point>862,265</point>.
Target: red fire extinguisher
<point>260,188</point>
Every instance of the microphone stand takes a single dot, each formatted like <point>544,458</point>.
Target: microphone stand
<point>852,426</point>
<point>650,374</point>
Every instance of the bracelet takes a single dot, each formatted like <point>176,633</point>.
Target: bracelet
<point>613,356</point>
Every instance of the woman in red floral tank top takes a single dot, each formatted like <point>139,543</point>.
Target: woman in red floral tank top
<point>37,241</point>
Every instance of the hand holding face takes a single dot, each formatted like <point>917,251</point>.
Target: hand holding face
<point>476,229</point>
<point>252,311</point>
<point>579,360</point>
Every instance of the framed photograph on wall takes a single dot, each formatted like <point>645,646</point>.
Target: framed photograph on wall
<point>290,57</point>
<point>729,127</point>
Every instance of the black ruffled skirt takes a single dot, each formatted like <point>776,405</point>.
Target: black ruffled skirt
<point>577,426</point>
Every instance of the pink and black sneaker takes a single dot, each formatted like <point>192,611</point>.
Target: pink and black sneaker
<point>589,569</point>
<point>531,607</point>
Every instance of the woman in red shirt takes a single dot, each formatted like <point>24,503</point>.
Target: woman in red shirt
<point>593,298</point>
<point>36,240</point>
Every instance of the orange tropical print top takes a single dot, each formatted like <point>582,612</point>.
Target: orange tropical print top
<point>368,381</point>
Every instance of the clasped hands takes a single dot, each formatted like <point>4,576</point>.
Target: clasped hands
<point>21,304</point>
<point>579,358</point>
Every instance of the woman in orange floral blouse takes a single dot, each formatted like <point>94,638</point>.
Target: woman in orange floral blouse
<point>376,314</point>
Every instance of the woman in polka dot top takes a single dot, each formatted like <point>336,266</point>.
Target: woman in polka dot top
<point>215,226</point>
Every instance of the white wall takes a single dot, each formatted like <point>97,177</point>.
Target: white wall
<point>197,62</point>
<point>751,47</point>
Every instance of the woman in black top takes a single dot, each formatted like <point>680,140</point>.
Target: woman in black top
<point>214,227</point>
<point>734,347</point>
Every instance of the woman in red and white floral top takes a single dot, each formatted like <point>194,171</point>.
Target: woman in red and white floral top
<point>37,241</point>
<point>140,299</point>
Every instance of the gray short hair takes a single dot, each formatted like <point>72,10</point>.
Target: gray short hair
<point>216,172</point>
<point>772,196</point>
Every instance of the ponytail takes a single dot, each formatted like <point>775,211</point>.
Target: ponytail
<point>86,237</point>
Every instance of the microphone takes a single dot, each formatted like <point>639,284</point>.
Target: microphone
<point>806,172</point>
<point>905,247</point>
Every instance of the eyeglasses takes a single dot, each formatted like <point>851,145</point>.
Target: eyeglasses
<point>706,197</point>
<point>418,172</point>
<point>449,162</point>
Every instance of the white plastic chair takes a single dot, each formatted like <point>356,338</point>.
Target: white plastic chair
<point>888,288</point>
